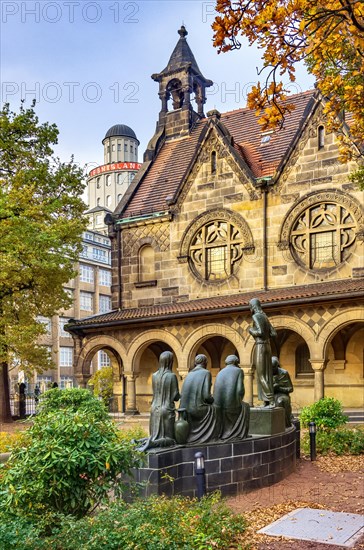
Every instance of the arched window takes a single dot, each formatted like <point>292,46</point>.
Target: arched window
<point>108,180</point>
<point>322,235</point>
<point>215,249</point>
<point>321,137</point>
<point>108,200</point>
<point>303,365</point>
<point>98,201</point>
<point>146,263</point>
<point>119,197</point>
<point>213,162</point>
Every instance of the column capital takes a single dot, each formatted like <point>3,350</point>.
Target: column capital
<point>318,364</point>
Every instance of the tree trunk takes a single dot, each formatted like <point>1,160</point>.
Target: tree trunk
<point>5,411</point>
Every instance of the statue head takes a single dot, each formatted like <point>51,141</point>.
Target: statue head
<point>166,360</point>
<point>255,305</point>
<point>275,364</point>
<point>232,360</point>
<point>201,361</point>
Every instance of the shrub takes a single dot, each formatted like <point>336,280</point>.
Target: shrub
<point>102,382</point>
<point>71,458</point>
<point>9,440</point>
<point>156,523</point>
<point>326,413</point>
<point>339,441</point>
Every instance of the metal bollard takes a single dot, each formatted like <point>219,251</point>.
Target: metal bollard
<point>312,428</point>
<point>200,475</point>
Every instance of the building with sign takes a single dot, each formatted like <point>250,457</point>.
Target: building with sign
<point>91,288</point>
<point>108,183</point>
<point>219,213</point>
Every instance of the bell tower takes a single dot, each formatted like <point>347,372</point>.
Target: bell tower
<point>180,83</point>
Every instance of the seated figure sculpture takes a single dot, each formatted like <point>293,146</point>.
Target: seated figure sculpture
<point>282,387</point>
<point>162,414</point>
<point>229,391</point>
<point>197,400</point>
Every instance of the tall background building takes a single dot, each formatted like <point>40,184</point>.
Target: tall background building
<point>91,288</point>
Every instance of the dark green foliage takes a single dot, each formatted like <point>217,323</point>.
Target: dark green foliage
<point>156,523</point>
<point>71,460</point>
<point>326,413</point>
<point>338,441</point>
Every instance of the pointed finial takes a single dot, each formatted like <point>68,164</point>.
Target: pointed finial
<point>182,32</point>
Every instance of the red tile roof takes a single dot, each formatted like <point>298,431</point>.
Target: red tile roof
<point>167,172</point>
<point>264,159</point>
<point>350,288</point>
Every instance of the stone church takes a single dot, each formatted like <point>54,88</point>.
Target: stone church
<point>221,212</point>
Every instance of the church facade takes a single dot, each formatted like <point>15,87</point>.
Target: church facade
<point>221,212</point>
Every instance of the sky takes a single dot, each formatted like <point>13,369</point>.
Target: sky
<point>89,65</point>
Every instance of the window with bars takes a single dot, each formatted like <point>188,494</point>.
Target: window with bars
<point>302,359</point>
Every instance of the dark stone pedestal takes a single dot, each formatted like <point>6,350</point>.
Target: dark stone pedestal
<point>233,468</point>
<point>266,421</point>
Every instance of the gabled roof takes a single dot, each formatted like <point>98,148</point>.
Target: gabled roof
<point>165,174</point>
<point>219,305</point>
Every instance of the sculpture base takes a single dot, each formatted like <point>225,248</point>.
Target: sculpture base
<point>266,421</point>
<point>233,468</point>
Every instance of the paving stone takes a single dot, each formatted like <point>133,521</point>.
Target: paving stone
<point>323,526</point>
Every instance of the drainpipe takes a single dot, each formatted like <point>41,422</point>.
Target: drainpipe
<point>120,300</point>
<point>265,251</point>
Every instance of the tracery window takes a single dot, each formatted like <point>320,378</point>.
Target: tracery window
<point>215,250</point>
<point>322,235</point>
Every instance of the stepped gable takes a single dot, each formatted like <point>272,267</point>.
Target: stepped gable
<point>278,297</point>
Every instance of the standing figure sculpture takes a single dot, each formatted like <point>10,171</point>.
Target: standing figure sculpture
<point>282,387</point>
<point>197,400</point>
<point>229,391</point>
<point>163,411</point>
<point>262,331</point>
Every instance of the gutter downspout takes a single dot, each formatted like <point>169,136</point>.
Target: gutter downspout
<point>265,248</point>
<point>120,289</point>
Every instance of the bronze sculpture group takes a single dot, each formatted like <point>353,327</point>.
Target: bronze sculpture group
<point>206,417</point>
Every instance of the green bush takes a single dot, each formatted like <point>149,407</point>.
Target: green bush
<point>338,441</point>
<point>102,382</point>
<point>326,413</point>
<point>156,523</point>
<point>74,399</point>
<point>71,459</point>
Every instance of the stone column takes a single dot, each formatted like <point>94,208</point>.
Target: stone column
<point>248,383</point>
<point>131,406</point>
<point>318,366</point>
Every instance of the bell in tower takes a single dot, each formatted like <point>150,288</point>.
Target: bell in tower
<point>180,81</point>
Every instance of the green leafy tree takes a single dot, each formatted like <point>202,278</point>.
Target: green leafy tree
<point>41,223</point>
<point>327,35</point>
